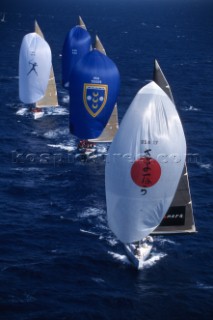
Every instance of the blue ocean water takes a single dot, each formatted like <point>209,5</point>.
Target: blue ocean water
<point>58,258</point>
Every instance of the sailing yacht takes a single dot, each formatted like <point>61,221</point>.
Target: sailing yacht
<point>88,147</point>
<point>34,68</point>
<point>94,85</point>
<point>142,172</point>
<point>36,78</point>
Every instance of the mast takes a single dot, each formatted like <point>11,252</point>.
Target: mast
<point>179,218</point>
<point>81,23</point>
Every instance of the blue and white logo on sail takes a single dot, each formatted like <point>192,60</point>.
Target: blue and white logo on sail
<point>95,98</point>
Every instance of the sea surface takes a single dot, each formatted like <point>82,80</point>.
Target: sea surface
<point>58,258</point>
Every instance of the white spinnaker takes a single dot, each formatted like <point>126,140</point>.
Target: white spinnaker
<point>151,128</point>
<point>35,62</point>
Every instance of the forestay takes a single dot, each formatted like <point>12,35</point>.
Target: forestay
<point>144,165</point>
<point>35,62</point>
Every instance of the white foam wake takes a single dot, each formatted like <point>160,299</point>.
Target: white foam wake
<point>53,134</point>
<point>147,263</point>
<point>153,260</point>
<point>204,286</point>
<point>62,147</point>
<point>190,108</point>
<point>206,166</point>
<point>120,257</point>
<point>90,232</point>
<point>22,111</point>
<point>57,111</point>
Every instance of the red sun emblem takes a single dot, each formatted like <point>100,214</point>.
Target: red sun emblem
<point>145,172</point>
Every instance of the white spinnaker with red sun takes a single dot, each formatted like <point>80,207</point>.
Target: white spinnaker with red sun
<point>144,165</point>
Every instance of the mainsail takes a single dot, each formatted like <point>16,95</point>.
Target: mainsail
<point>34,68</point>
<point>38,29</point>
<point>143,168</point>
<point>111,128</point>
<point>160,79</point>
<point>50,98</point>
<point>77,43</point>
<point>179,218</point>
<point>81,23</point>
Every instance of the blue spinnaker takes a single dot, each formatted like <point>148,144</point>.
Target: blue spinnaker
<point>77,43</point>
<point>94,88</point>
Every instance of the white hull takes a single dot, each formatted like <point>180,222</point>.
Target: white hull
<point>138,260</point>
<point>38,114</point>
<point>86,153</point>
<point>89,151</point>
